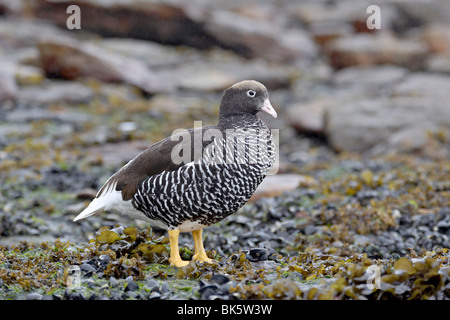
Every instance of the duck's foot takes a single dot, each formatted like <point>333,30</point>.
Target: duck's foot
<point>202,258</point>
<point>200,254</point>
<point>175,259</point>
<point>178,263</point>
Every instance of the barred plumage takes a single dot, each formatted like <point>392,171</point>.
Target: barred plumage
<point>204,192</point>
<point>214,170</point>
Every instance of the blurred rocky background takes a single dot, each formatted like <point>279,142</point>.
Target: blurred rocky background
<point>371,91</point>
<point>76,104</point>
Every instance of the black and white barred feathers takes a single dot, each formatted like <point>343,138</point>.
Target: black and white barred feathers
<point>197,177</point>
<point>206,191</point>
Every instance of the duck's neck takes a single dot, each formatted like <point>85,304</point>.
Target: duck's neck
<point>239,121</point>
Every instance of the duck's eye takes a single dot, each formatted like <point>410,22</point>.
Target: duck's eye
<point>251,93</point>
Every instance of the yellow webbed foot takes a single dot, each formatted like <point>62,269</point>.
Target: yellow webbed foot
<point>175,259</point>
<point>202,258</point>
<point>178,263</point>
<point>200,254</point>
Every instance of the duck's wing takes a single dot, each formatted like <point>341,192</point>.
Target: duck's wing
<point>165,155</point>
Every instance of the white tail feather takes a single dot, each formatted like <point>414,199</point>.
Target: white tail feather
<point>111,200</point>
<point>106,201</point>
<point>95,206</point>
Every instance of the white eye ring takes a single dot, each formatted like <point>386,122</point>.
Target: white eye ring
<point>251,93</point>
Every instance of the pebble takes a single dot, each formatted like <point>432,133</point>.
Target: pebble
<point>88,269</point>
<point>165,288</point>
<point>216,288</point>
<point>258,254</point>
<point>34,296</point>
<point>219,279</point>
<point>152,284</point>
<point>113,282</point>
<point>154,295</point>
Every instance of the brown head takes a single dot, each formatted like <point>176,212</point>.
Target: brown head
<point>246,97</point>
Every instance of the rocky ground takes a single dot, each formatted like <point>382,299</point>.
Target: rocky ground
<point>363,180</point>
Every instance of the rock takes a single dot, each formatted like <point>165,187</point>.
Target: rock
<point>423,12</point>
<point>220,69</point>
<point>19,33</point>
<point>360,125</point>
<point>152,285</point>
<point>12,7</point>
<point>437,37</point>
<point>34,296</point>
<point>154,295</point>
<point>275,185</point>
<point>131,284</point>
<point>165,288</point>
<point>312,12</point>
<point>55,92</point>
<point>177,104</point>
<point>219,279</point>
<point>34,114</point>
<point>422,84</point>
<point>325,31</point>
<point>424,139</point>
<point>307,117</point>
<point>369,76</point>
<point>438,63</point>
<point>158,21</point>
<point>177,23</point>
<point>29,75</point>
<point>258,38</point>
<point>353,13</point>
<point>8,86</point>
<point>203,79</point>
<point>417,111</point>
<point>366,49</point>
<point>88,269</point>
<point>75,208</point>
<point>153,54</point>
<point>12,129</point>
<point>116,154</point>
<point>86,194</point>
<point>69,59</point>
<point>258,254</point>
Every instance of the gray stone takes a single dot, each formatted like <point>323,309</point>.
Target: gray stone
<point>116,154</point>
<point>8,86</point>
<point>19,32</point>
<point>160,21</point>
<point>369,76</point>
<point>70,59</point>
<point>324,31</point>
<point>437,37</point>
<point>275,185</point>
<point>366,49</point>
<point>220,69</point>
<point>34,296</point>
<point>421,138</point>
<point>55,91</point>
<point>438,63</point>
<point>34,114</point>
<point>425,11</point>
<point>153,54</point>
<point>421,84</point>
<point>418,107</point>
<point>258,38</point>
<point>307,117</point>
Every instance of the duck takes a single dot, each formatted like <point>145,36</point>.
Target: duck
<point>196,177</point>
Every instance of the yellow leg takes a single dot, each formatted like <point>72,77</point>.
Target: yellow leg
<point>200,254</point>
<point>175,259</point>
